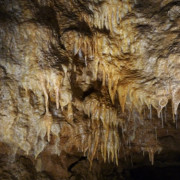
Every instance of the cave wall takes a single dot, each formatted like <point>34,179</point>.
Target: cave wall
<point>88,83</point>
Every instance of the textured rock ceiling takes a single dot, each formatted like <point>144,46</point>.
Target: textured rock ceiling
<point>98,77</point>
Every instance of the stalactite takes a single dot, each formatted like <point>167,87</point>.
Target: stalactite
<point>70,112</point>
<point>122,94</point>
<point>151,155</point>
<point>50,82</point>
<point>42,80</point>
<point>151,151</point>
<point>48,120</point>
<point>175,100</point>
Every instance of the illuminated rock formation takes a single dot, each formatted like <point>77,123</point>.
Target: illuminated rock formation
<point>97,78</point>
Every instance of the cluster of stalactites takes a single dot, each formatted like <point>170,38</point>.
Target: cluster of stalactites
<point>137,96</point>
<point>173,71</point>
<point>100,46</point>
<point>78,44</point>
<point>108,15</point>
<point>102,49</point>
<point>106,141</point>
<point>52,83</point>
<point>151,151</point>
<point>57,82</point>
<point>112,76</point>
<point>49,81</point>
<point>104,125</point>
<point>100,112</point>
<point>95,48</point>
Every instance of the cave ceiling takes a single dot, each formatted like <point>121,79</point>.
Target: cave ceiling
<point>96,77</point>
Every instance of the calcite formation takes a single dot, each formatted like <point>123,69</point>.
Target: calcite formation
<point>98,77</point>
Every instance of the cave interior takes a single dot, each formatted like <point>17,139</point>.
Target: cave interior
<point>89,89</point>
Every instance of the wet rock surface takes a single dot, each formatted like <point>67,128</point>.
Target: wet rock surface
<point>88,87</point>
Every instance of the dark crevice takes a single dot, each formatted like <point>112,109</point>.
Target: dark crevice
<point>88,92</point>
<point>75,163</point>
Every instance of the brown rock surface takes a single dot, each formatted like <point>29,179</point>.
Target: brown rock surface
<point>88,85</point>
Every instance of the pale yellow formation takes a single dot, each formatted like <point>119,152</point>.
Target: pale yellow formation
<point>48,120</point>
<point>151,151</point>
<point>104,124</point>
